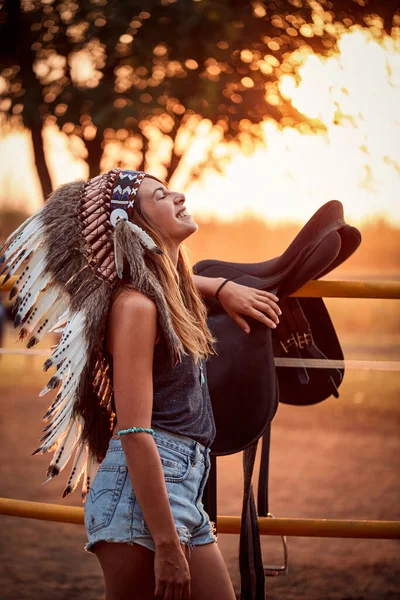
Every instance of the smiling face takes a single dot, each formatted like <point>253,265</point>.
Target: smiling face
<point>162,206</point>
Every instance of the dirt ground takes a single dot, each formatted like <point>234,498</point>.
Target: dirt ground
<point>339,459</point>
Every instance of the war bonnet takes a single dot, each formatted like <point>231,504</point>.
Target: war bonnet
<point>72,253</point>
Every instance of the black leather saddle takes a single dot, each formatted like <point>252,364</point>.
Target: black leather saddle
<point>244,384</point>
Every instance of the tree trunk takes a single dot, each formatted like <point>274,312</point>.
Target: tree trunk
<point>25,56</point>
<point>173,165</point>
<point>95,152</point>
<point>145,142</point>
<point>40,161</point>
<point>175,159</point>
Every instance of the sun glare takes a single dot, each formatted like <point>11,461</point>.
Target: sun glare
<point>352,96</point>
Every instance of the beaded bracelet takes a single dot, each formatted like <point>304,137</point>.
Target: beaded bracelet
<point>222,284</point>
<point>135,430</point>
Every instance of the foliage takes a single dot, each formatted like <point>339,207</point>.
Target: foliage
<point>111,70</point>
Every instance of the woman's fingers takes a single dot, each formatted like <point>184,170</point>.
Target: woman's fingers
<point>186,591</point>
<point>266,311</point>
<point>159,592</point>
<point>240,301</point>
<point>260,316</point>
<point>168,592</point>
<point>266,297</point>
<point>271,308</point>
<point>267,294</point>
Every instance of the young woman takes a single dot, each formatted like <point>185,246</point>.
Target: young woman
<point>175,555</point>
<point>105,258</point>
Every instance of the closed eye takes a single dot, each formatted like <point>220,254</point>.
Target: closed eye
<point>160,195</point>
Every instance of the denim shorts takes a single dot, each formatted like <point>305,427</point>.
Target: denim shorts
<point>112,512</point>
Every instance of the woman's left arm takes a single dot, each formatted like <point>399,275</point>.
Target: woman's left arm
<point>240,299</point>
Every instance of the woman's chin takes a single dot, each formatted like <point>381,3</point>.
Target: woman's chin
<point>186,229</point>
<point>192,227</point>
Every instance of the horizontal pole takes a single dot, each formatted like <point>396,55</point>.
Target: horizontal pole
<point>309,363</point>
<point>389,290</point>
<point>41,510</point>
<point>331,528</point>
<point>316,289</point>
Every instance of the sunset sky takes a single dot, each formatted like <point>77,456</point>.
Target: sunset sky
<point>355,94</point>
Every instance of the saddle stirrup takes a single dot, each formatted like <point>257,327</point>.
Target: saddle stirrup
<point>262,504</point>
<point>273,570</point>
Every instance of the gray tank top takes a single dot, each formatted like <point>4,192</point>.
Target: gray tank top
<point>181,399</point>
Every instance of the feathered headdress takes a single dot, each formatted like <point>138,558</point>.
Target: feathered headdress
<point>72,251</point>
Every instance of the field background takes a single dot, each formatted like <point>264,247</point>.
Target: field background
<point>339,459</point>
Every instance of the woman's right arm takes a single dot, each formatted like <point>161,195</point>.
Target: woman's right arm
<point>133,331</point>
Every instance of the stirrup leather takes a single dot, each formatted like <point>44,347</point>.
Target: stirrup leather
<point>273,570</point>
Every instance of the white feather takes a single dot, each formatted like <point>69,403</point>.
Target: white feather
<point>21,252</point>
<point>49,441</point>
<point>118,258</point>
<point>58,330</point>
<point>70,367</point>
<point>58,417</point>
<point>19,229</point>
<point>65,413</point>
<point>68,445</point>
<point>44,303</point>
<point>37,286</point>
<point>144,237</point>
<point>71,355</point>
<point>73,333</point>
<point>53,431</point>
<point>68,388</point>
<point>65,446</point>
<point>13,266</point>
<point>19,238</point>
<point>56,407</point>
<point>77,468</point>
<point>73,380</point>
<point>91,468</point>
<point>36,264</point>
<point>24,243</point>
<point>48,312</point>
<point>63,320</point>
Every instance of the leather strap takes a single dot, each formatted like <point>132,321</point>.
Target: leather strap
<point>210,492</point>
<point>250,556</point>
<point>262,495</point>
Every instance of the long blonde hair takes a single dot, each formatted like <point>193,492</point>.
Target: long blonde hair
<point>187,308</point>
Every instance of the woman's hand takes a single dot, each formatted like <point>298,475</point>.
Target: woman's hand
<point>240,299</point>
<point>172,574</point>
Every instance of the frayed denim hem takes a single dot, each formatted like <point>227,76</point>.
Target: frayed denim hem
<point>214,531</point>
<point>146,541</point>
<point>89,546</point>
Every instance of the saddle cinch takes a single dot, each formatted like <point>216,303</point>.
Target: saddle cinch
<point>244,383</point>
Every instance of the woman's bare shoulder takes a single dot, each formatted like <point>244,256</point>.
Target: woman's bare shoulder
<point>131,312</point>
<point>132,297</point>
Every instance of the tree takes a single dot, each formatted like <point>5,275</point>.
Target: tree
<point>20,81</point>
<point>108,70</point>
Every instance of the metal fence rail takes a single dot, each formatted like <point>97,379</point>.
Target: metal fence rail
<point>317,288</point>
<point>332,528</point>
